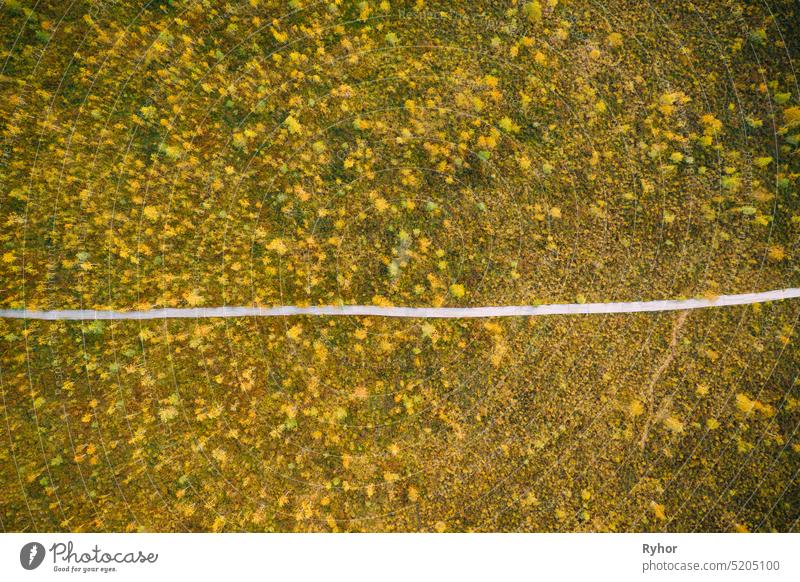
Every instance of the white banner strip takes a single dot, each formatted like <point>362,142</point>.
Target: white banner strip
<point>389,557</point>
<point>416,312</point>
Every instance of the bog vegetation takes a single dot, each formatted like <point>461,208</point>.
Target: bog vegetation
<point>457,153</point>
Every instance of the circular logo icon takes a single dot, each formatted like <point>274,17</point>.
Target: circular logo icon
<point>31,555</point>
